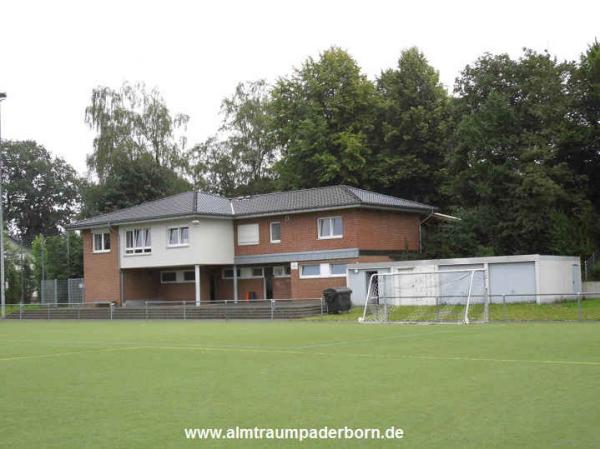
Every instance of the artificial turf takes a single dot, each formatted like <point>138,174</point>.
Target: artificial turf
<point>67,384</point>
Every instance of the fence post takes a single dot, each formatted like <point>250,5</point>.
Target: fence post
<point>579,307</point>
<point>21,311</point>
<point>272,308</point>
<point>48,308</point>
<point>146,309</point>
<point>321,307</point>
<point>184,317</point>
<point>78,311</point>
<point>56,291</point>
<point>504,309</point>
<point>111,310</point>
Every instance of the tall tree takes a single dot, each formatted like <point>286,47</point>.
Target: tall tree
<point>40,192</point>
<point>412,130</point>
<point>239,159</point>
<point>131,122</point>
<point>504,166</point>
<point>580,144</point>
<point>130,183</point>
<point>324,113</point>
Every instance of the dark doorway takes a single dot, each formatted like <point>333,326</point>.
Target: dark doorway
<point>268,273</point>
<point>213,286</point>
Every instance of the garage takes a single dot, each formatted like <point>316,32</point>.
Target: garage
<point>523,278</point>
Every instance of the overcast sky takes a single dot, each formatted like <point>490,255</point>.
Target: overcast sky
<point>53,53</point>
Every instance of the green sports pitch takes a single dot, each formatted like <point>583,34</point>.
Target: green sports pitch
<point>141,384</point>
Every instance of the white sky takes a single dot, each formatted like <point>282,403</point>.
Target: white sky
<point>53,53</point>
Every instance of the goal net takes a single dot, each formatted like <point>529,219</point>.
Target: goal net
<point>451,296</point>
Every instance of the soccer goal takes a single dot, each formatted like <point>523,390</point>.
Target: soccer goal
<point>448,296</point>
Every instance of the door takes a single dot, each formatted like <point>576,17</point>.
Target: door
<point>576,272</point>
<point>268,273</point>
<point>516,280</point>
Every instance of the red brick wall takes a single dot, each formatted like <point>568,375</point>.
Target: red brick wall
<point>282,288</point>
<point>363,228</point>
<point>101,270</point>
<point>145,284</point>
<point>225,288</point>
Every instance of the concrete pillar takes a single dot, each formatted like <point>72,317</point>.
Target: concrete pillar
<point>235,284</point>
<point>197,282</point>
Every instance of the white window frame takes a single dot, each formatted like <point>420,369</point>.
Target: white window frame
<point>179,277</point>
<point>244,273</point>
<point>282,267</point>
<point>144,250</point>
<point>246,225</point>
<point>103,235</point>
<point>324,271</point>
<point>179,243</point>
<point>271,231</point>
<point>168,282</point>
<point>331,235</point>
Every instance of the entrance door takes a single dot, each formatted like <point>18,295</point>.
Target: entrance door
<point>268,273</point>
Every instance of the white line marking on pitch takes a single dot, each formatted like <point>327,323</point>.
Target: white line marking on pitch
<point>62,354</point>
<point>402,357</point>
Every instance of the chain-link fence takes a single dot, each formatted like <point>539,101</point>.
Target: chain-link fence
<point>61,291</point>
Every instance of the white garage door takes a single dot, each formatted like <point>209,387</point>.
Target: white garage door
<point>454,287</point>
<point>512,279</point>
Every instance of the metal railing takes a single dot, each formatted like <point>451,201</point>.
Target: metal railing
<point>270,309</point>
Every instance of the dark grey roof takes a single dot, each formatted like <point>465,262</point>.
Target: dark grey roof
<point>318,198</point>
<point>199,203</point>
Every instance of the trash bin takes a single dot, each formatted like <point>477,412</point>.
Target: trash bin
<point>338,299</point>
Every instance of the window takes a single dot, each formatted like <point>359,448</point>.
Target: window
<point>179,236</point>
<point>281,271</point>
<point>275,232</point>
<point>324,270</point>
<point>228,273</point>
<point>311,270</point>
<point>168,277</point>
<point>101,242</point>
<point>177,277</point>
<point>137,241</point>
<point>247,234</point>
<point>330,228</point>
<point>244,273</point>
<point>338,269</point>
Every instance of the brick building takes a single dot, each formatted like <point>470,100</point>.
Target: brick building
<point>199,247</point>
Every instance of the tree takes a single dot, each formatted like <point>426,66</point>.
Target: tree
<point>323,114</point>
<point>239,159</point>
<point>130,183</point>
<point>580,143</point>
<point>504,166</point>
<point>412,130</point>
<point>57,257</point>
<point>40,192</point>
<point>131,122</point>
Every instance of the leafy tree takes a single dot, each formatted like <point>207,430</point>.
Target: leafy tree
<point>580,141</point>
<point>131,122</point>
<point>18,273</point>
<point>412,129</point>
<point>504,165</point>
<point>323,114</point>
<point>57,257</point>
<point>130,183</point>
<point>239,159</point>
<point>40,192</point>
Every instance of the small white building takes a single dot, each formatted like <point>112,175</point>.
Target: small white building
<point>510,278</point>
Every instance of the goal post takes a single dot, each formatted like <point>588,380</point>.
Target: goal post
<point>444,296</point>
